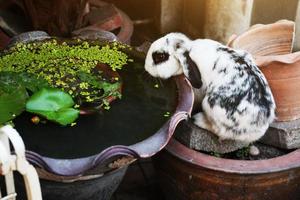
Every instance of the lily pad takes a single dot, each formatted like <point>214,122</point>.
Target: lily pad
<point>13,92</point>
<point>9,80</point>
<point>53,104</point>
<point>12,103</point>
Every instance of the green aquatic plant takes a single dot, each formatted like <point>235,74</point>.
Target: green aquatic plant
<point>33,68</point>
<point>54,105</point>
<point>14,92</point>
<point>63,65</point>
<point>12,102</point>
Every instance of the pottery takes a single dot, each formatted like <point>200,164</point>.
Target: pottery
<point>93,187</point>
<point>271,45</point>
<point>264,40</point>
<point>185,174</point>
<point>79,155</point>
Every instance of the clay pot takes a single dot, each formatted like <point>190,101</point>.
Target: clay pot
<point>265,40</point>
<point>89,175</point>
<point>271,46</point>
<point>185,174</point>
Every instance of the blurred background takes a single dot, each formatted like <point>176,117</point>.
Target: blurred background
<point>198,18</point>
<point>211,18</point>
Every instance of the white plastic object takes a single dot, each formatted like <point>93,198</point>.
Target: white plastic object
<point>17,162</point>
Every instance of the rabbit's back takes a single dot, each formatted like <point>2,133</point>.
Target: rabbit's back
<point>238,100</point>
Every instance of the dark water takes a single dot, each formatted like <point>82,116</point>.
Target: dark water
<point>138,115</point>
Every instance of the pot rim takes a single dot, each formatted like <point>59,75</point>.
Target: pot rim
<point>263,28</point>
<point>45,175</point>
<point>277,164</point>
<point>291,58</point>
<point>144,149</point>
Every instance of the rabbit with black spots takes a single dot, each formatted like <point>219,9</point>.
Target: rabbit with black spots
<point>237,101</point>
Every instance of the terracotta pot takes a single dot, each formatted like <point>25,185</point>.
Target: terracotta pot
<point>271,45</point>
<point>264,40</point>
<point>185,174</point>
<point>283,74</point>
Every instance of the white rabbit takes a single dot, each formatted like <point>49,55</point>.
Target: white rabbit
<point>237,101</point>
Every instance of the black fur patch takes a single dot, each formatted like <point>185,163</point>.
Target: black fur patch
<point>194,75</point>
<point>178,44</point>
<point>160,57</point>
<point>224,49</point>
<point>215,64</point>
<point>223,70</point>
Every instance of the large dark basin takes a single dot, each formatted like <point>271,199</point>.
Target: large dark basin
<point>135,117</point>
<point>136,125</point>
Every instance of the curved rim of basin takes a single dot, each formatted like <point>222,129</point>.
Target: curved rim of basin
<point>143,149</point>
<point>280,163</point>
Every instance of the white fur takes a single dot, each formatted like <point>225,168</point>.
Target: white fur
<point>173,66</point>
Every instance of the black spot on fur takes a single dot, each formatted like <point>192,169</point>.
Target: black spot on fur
<point>215,64</point>
<point>232,82</point>
<point>225,49</point>
<point>234,129</point>
<point>160,57</point>
<point>194,75</point>
<point>178,44</point>
<point>223,70</point>
<point>228,127</point>
<point>241,112</point>
<point>254,122</point>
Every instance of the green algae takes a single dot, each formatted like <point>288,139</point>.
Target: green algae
<point>70,67</point>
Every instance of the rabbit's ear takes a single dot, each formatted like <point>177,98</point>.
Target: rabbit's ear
<point>194,75</point>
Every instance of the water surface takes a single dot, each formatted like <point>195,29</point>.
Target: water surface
<point>138,115</point>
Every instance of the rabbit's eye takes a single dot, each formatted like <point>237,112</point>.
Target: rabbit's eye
<point>159,57</point>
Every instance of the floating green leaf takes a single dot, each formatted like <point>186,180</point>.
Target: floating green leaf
<point>9,80</point>
<point>53,104</point>
<point>58,63</point>
<point>12,102</point>
<point>13,96</point>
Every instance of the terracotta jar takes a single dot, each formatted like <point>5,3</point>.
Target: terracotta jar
<point>271,46</point>
<point>185,174</point>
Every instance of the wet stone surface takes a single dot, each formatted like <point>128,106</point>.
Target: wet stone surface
<point>285,135</point>
<point>203,140</point>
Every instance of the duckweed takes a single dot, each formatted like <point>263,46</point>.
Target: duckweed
<point>69,66</point>
<point>167,114</point>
